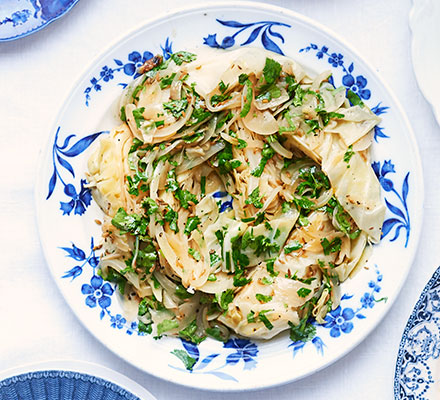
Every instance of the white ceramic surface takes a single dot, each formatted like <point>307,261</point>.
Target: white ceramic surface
<point>424,22</point>
<point>66,220</point>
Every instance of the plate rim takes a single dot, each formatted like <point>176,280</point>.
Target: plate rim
<point>230,4</point>
<point>409,325</point>
<point>82,367</point>
<point>39,27</point>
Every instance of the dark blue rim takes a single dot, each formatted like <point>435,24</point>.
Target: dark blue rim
<point>64,11</point>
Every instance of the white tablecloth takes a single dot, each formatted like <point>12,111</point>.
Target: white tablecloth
<point>36,74</point>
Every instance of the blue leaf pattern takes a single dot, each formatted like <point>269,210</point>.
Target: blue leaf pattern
<point>79,199</point>
<point>263,27</point>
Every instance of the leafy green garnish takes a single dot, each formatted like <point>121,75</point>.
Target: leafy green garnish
<point>266,154</point>
<point>138,117</point>
<point>149,205</point>
<point>171,217</point>
<point>293,246</point>
<point>187,360</point>
<point>166,325</point>
<point>131,223</point>
<point>167,80</point>
<point>303,292</point>
<point>183,56</point>
<point>331,247</point>
<point>263,318</point>
<point>176,107</point>
<point>303,332</point>
<point>182,293</point>
<point>216,334</point>
<point>224,298</point>
<point>189,333</point>
<point>255,198</point>
<point>225,160</point>
<point>191,224</point>
<point>348,154</point>
<point>263,298</point>
<point>248,100</point>
<point>194,254</point>
<point>122,114</point>
<point>354,99</point>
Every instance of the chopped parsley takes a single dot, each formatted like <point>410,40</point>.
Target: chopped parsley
<point>303,292</point>
<point>293,246</point>
<point>194,254</point>
<point>348,154</point>
<point>225,160</point>
<point>166,81</point>
<point>331,247</point>
<point>255,198</point>
<point>183,356</point>
<point>266,154</point>
<point>166,325</point>
<point>224,298</point>
<point>263,298</point>
<point>171,217</point>
<point>191,224</point>
<point>189,333</point>
<point>138,117</point>
<point>263,318</point>
<point>176,107</point>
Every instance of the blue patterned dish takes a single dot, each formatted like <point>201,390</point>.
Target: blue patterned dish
<point>65,202</point>
<point>417,374</point>
<point>21,18</point>
<point>68,380</point>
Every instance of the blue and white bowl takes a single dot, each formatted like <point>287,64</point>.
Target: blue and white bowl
<point>68,380</point>
<point>417,374</point>
<point>65,203</point>
<point>21,18</point>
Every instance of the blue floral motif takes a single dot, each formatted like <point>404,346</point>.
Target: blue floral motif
<point>263,27</point>
<point>401,217</point>
<point>341,320</point>
<point>17,18</point>
<point>134,60</point>
<point>79,255</point>
<point>78,201</point>
<point>244,350</point>
<point>357,84</point>
<point>117,321</point>
<point>97,292</point>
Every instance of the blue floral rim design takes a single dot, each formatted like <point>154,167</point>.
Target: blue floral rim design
<point>39,13</point>
<point>60,385</point>
<point>420,345</point>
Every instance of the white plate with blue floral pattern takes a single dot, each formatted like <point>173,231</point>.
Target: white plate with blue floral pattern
<point>417,374</point>
<point>66,211</point>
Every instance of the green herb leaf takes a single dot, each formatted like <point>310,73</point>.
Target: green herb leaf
<point>266,154</point>
<point>183,56</point>
<point>331,247</point>
<point>303,332</point>
<point>194,254</point>
<point>263,318</point>
<point>255,198</point>
<point>122,114</point>
<point>176,107</point>
<point>171,217</point>
<point>354,99</point>
<point>303,292</point>
<point>166,81</point>
<point>138,117</point>
<point>187,360</point>
<point>166,325</point>
<point>216,334</point>
<point>191,224</point>
<point>189,333</point>
<point>225,298</point>
<point>263,298</point>
<point>348,154</point>
<point>293,246</point>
